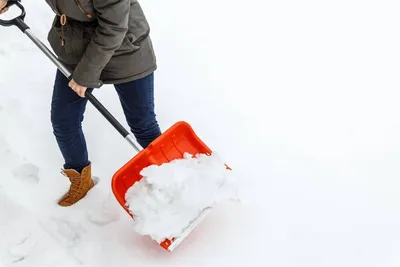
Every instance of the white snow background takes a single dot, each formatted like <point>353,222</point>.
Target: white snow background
<point>300,98</point>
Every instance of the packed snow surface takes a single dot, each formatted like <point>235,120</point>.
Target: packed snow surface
<point>171,195</point>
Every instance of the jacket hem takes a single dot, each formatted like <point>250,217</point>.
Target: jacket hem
<point>131,78</point>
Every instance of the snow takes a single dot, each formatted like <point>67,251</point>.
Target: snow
<point>300,98</point>
<point>171,195</point>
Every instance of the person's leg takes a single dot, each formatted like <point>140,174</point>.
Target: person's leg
<point>137,100</point>
<point>67,112</point>
<point>67,109</point>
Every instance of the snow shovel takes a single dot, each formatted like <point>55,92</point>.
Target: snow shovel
<point>172,144</point>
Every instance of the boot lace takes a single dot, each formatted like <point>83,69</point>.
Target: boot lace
<point>75,187</point>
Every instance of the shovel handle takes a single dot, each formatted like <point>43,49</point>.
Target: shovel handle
<point>19,22</point>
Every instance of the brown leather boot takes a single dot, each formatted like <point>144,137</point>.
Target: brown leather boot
<point>80,185</point>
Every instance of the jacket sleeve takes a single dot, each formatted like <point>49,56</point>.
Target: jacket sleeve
<point>113,17</point>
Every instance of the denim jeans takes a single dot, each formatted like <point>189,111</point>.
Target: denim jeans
<point>68,108</point>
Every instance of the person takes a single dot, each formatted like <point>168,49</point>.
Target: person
<point>103,42</point>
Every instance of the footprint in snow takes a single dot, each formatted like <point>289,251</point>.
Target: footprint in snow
<point>22,248</point>
<point>105,213</point>
<point>27,172</point>
<point>70,233</point>
<point>19,240</point>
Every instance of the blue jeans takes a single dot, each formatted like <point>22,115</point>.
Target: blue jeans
<point>67,113</point>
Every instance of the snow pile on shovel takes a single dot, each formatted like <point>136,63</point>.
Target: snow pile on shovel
<point>170,196</point>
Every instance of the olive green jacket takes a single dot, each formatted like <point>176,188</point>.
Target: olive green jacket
<point>102,41</point>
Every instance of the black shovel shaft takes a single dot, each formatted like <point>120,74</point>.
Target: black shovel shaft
<point>88,95</point>
<point>19,22</point>
<point>68,74</point>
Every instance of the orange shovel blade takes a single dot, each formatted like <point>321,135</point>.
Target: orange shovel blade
<point>172,144</point>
